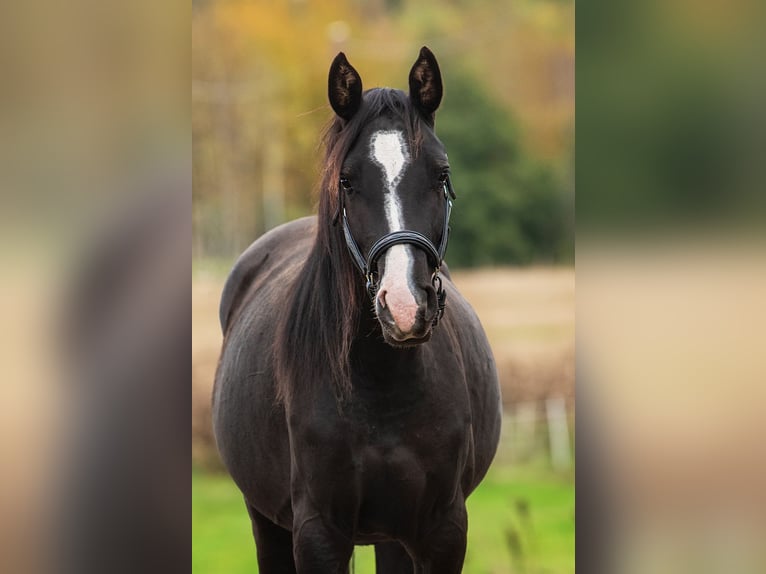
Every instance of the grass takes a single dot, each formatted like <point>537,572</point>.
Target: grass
<point>521,520</point>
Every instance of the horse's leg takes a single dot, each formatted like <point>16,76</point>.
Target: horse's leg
<point>442,550</point>
<point>320,548</point>
<point>273,543</point>
<point>392,558</point>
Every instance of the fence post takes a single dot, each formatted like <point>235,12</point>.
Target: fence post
<point>558,433</point>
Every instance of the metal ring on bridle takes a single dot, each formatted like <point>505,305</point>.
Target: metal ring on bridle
<point>441,296</point>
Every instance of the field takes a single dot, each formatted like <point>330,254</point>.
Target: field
<point>521,519</point>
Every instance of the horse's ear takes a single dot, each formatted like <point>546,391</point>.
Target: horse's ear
<point>426,84</point>
<point>344,87</point>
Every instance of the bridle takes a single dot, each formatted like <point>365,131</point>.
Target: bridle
<point>369,265</point>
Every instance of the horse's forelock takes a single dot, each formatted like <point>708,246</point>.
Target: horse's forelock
<point>340,135</point>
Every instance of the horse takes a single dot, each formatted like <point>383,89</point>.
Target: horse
<point>356,399</point>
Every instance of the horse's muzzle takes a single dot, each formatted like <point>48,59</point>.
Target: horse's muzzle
<point>406,318</point>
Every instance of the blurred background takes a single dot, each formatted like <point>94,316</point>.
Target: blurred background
<point>671,277</point>
<point>95,228</point>
<point>259,103</point>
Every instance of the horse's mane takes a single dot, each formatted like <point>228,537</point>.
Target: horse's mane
<point>318,324</point>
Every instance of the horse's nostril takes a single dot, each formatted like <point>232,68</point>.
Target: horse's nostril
<point>382,298</point>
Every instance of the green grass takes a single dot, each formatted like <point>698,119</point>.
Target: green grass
<point>503,537</point>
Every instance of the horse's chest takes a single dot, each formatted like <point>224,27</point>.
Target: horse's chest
<point>403,480</point>
<point>390,459</point>
<point>414,427</point>
<point>404,456</point>
<point>422,423</point>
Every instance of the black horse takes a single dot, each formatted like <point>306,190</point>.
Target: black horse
<point>356,399</point>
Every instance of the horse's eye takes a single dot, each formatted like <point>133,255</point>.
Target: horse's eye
<point>346,184</point>
<point>443,176</point>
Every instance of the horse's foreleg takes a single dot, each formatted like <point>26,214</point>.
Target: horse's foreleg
<point>392,558</point>
<point>442,549</point>
<point>320,548</point>
<point>273,543</point>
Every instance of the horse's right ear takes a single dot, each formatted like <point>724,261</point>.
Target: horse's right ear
<point>344,87</point>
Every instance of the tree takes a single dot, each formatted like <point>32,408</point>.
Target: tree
<point>510,209</point>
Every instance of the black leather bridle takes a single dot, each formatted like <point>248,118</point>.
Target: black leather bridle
<point>369,265</point>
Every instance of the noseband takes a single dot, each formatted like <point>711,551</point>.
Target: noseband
<point>369,265</point>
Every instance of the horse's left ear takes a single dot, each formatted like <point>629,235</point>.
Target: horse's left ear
<point>426,84</point>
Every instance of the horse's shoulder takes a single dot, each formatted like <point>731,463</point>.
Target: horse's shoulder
<point>276,247</point>
<point>462,315</point>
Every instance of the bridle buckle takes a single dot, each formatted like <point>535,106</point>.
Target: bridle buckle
<point>441,296</point>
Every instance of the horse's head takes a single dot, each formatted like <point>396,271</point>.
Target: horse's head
<point>393,200</point>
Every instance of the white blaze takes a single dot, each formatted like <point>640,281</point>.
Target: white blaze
<point>389,151</point>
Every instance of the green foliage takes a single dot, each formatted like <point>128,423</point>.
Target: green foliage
<point>510,208</point>
<point>671,118</point>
